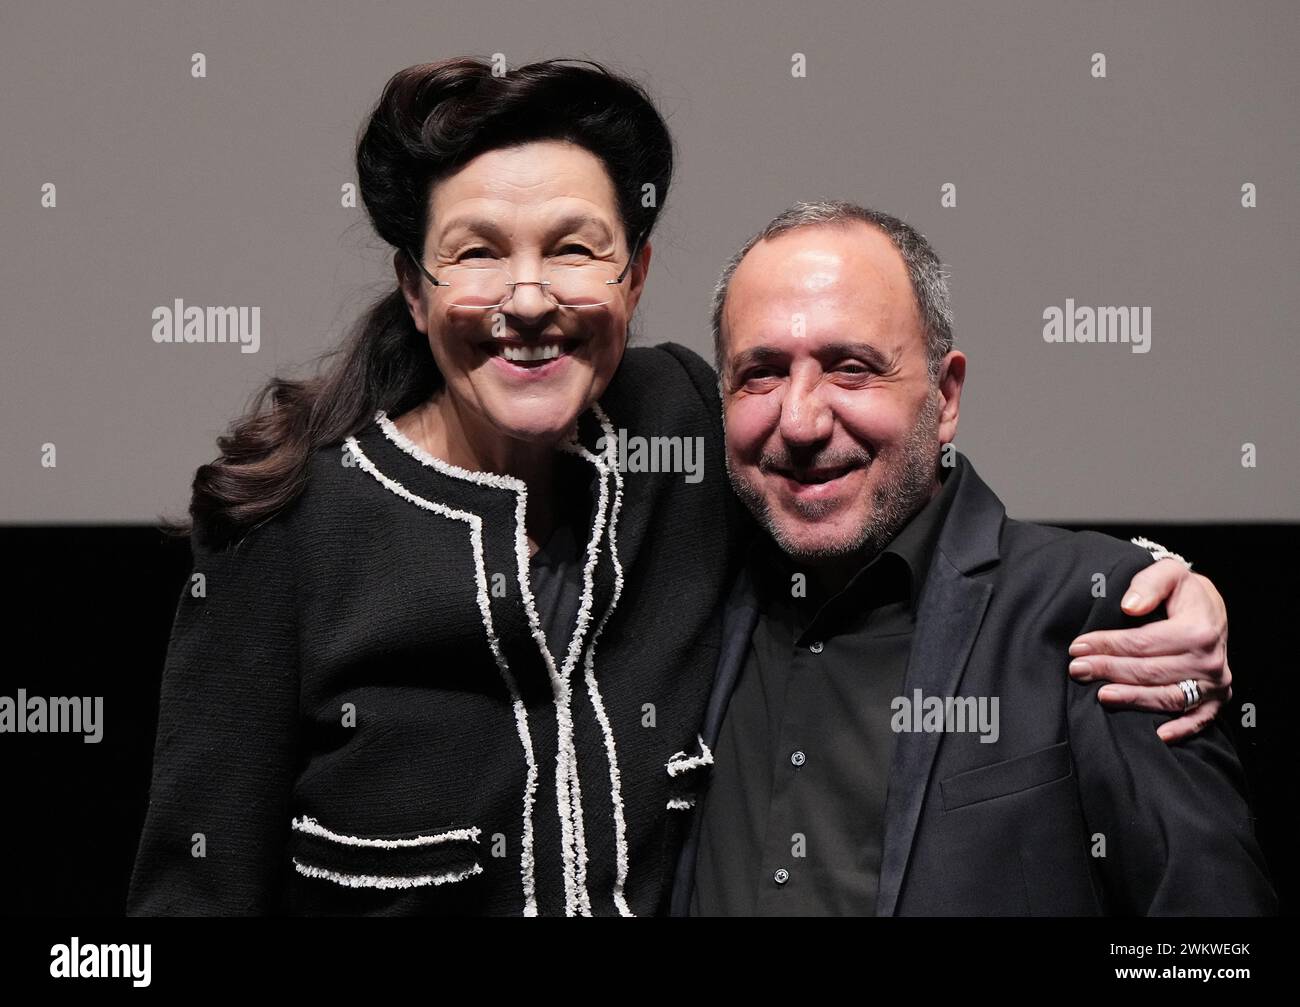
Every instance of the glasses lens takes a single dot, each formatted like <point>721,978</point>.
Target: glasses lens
<point>475,286</point>
<point>570,285</point>
<point>581,285</point>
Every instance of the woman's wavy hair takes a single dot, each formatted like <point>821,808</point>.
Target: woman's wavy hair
<point>430,120</point>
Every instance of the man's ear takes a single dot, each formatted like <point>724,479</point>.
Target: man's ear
<point>409,282</point>
<point>952,378</point>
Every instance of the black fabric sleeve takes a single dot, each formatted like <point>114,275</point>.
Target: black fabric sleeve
<point>1177,830</point>
<point>741,527</point>
<point>702,377</point>
<point>215,832</point>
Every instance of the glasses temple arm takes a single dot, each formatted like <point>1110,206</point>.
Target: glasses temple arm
<point>432,279</point>
<point>636,247</point>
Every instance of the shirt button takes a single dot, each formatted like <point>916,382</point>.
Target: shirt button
<point>815,646</point>
<point>797,758</point>
<point>781,876</point>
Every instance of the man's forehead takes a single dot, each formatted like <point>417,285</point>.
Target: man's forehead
<point>814,257</point>
<point>821,271</point>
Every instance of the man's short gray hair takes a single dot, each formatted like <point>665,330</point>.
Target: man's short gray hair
<point>929,282</point>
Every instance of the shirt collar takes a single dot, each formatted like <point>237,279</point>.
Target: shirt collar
<point>916,542</point>
<point>914,545</point>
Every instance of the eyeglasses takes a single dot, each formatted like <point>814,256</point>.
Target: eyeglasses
<point>571,281</point>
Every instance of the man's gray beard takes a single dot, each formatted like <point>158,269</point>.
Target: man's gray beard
<point>893,502</point>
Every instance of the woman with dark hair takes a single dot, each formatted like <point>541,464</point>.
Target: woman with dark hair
<point>440,655</point>
<point>437,654</point>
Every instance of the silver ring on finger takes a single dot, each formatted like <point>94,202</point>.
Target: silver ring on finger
<point>1191,693</point>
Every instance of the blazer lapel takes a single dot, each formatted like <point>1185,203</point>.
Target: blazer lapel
<point>739,617</point>
<point>951,608</point>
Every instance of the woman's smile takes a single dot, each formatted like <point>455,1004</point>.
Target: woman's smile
<point>530,359</point>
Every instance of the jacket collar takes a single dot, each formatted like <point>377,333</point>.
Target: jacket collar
<point>492,507</point>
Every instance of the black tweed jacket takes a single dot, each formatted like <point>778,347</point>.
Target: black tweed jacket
<point>359,712</point>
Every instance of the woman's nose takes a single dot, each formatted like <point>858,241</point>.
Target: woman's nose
<point>529,301</point>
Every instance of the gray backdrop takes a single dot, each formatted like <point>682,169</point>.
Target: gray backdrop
<point>1119,190</point>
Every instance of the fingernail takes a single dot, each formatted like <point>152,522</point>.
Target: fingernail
<point>1079,649</point>
<point>1102,693</point>
<point>1080,667</point>
<point>1131,600</point>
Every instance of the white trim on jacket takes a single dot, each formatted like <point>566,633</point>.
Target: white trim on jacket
<point>568,786</point>
<point>475,523</point>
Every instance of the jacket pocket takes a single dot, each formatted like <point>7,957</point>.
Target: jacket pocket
<point>1004,778</point>
<point>437,856</point>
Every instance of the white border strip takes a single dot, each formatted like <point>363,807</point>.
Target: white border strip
<point>312,827</point>
<point>577,901</point>
<point>610,466</point>
<point>526,864</point>
<point>575,652</point>
<point>381,880</point>
<point>680,762</point>
<point>1157,551</point>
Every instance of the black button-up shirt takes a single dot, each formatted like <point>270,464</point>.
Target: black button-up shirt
<point>794,816</point>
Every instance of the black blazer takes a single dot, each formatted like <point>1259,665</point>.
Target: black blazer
<point>1015,827</point>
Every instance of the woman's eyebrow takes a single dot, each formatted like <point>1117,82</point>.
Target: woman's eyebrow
<point>485,226</point>
<point>577,221</point>
<point>491,228</point>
